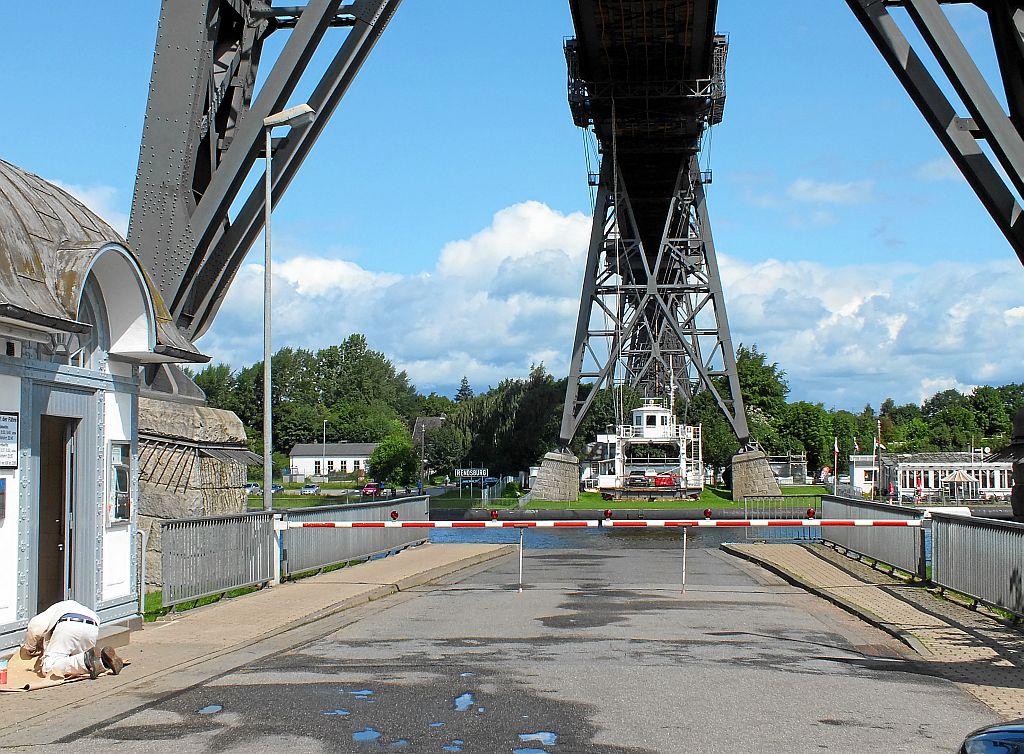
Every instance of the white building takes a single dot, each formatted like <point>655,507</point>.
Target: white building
<point>932,476</point>
<point>78,319</point>
<point>864,472</point>
<point>316,459</point>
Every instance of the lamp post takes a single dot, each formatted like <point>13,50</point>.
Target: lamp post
<point>293,116</point>
<point>323,453</point>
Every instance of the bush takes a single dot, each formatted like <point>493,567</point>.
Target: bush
<point>512,489</point>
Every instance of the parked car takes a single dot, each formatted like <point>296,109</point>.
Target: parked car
<point>665,480</point>
<point>1001,738</point>
<point>637,479</point>
<point>275,488</point>
<point>373,489</point>
<point>310,489</point>
<point>252,488</point>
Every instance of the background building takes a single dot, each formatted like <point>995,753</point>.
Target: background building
<point>316,459</point>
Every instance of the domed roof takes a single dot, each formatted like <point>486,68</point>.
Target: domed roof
<point>45,236</point>
<point>49,242</point>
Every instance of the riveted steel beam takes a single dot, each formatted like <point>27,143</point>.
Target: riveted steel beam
<point>986,118</point>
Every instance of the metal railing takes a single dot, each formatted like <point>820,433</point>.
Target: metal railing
<point>310,549</point>
<point>899,547</point>
<point>202,557</point>
<point>780,506</point>
<point>207,556</point>
<point>980,558</point>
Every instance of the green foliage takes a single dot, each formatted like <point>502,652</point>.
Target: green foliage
<point>446,448</point>
<point>395,462</point>
<point>465,392</point>
<point>762,384</point>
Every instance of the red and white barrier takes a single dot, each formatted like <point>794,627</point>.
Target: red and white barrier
<point>607,523</point>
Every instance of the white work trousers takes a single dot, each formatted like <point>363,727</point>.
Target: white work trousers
<point>64,653</point>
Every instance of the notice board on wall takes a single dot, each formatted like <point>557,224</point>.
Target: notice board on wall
<point>8,441</point>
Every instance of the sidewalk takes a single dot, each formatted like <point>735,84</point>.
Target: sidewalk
<point>171,655</point>
<point>977,653</point>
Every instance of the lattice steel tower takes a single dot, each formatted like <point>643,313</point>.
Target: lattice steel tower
<point>652,314</point>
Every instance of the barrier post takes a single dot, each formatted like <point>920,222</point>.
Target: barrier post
<point>685,528</point>
<point>522,530</point>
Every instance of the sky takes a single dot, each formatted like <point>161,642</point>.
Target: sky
<point>445,212</point>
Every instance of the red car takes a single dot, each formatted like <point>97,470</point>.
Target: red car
<point>664,480</point>
<point>372,489</point>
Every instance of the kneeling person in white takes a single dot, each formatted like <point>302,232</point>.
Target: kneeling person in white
<point>65,634</point>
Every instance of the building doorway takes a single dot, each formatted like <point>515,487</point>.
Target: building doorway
<point>55,550</point>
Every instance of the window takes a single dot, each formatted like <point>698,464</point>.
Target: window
<point>316,467</point>
<point>119,504</point>
<point>355,465</point>
<point>330,467</point>
<point>652,421</point>
<point>343,466</point>
<point>638,420</point>
<point>664,421</point>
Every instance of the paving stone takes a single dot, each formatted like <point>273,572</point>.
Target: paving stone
<point>981,655</point>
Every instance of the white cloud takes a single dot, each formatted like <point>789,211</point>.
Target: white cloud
<point>819,192</point>
<point>942,169</point>
<point>508,297</point>
<point>100,199</point>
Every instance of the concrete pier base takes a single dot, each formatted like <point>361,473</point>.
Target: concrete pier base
<point>751,475</point>
<point>558,479</point>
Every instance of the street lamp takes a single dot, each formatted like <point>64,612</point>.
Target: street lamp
<point>293,116</point>
<point>323,452</point>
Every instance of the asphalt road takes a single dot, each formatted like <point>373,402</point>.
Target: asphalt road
<point>601,653</point>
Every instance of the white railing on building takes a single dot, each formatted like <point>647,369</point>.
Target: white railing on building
<point>899,547</point>
<point>980,558</point>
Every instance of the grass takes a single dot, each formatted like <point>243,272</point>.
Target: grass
<point>812,489</point>
<point>153,604</point>
<point>711,497</point>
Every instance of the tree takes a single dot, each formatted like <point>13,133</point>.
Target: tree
<point>446,448</point>
<point>990,412</point>
<point>465,392</point>
<point>395,462</point>
<point>219,384</point>
<point>762,385</point>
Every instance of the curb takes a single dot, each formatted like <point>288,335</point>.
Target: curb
<point>865,615</point>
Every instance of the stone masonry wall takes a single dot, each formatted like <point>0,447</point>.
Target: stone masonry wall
<point>175,480</point>
<point>558,478</point>
<point>751,475</point>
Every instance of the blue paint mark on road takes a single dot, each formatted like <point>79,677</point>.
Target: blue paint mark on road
<point>529,751</point>
<point>544,738</point>
<point>481,709</point>
<point>210,709</point>
<point>466,675</point>
<point>338,712</point>
<point>455,745</point>
<point>437,725</point>
<point>399,744</point>
<point>464,702</point>
<point>366,735</point>
<point>362,693</point>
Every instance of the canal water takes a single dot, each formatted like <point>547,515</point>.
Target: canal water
<point>602,538</point>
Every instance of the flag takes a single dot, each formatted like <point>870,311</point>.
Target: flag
<point>856,445</point>
<point>878,444</point>
<point>835,446</point>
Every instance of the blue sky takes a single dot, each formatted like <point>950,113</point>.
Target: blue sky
<point>445,211</point>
